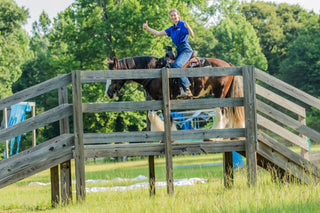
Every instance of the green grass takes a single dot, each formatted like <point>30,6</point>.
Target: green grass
<point>266,196</point>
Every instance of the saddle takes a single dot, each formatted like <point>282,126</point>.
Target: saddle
<point>194,61</point>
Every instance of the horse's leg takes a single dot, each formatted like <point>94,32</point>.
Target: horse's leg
<point>220,123</point>
<point>157,124</point>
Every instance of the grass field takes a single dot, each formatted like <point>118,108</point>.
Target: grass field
<point>266,196</point>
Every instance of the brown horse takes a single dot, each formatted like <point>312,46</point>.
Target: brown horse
<point>219,86</point>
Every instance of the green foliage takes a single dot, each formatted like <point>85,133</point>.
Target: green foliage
<point>301,66</point>
<point>13,44</point>
<point>313,119</point>
<point>238,43</point>
<point>11,16</point>
<point>276,26</point>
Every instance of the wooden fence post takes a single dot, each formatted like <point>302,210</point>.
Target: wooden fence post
<point>251,122</point>
<point>167,128</point>
<point>78,136</point>
<point>152,176</point>
<point>304,152</point>
<point>227,169</point>
<point>65,167</point>
<point>55,197</point>
<point>34,140</point>
<point>5,117</point>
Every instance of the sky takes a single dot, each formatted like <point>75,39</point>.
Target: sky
<point>53,7</point>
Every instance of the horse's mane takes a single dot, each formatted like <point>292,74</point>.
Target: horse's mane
<point>139,62</point>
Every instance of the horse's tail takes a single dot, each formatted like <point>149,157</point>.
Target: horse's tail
<point>236,114</point>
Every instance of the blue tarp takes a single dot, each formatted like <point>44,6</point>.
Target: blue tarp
<point>186,125</point>
<point>18,114</point>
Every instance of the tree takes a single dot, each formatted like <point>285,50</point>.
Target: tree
<point>238,43</point>
<point>276,26</point>
<point>13,44</point>
<point>301,66</point>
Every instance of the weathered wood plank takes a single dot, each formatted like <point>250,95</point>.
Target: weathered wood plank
<point>5,120</point>
<point>250,122</point>
<point>78,136</point>
<point>205,71</point>
<point>36,159</point>
<point>289,166</point>
<point>167,129</point>
<point>279,130</point>
<point>103,75</point>
<point>65,167</point>
<point>287,153</point>
<point>288,89</point>
<point>207,103</point>
<point>147,149</point>
<point>40,120</point>
<point>36,90</point>
<point>122,106</point>
<point>283,163</point>
<point>314,157</point>
<point>55,194</point>
<point>146,136</point>
<point>288,121</point>
<point>34,141</point>
<point>227,169</point>
<point>285,103</point>
<point>152,174</point>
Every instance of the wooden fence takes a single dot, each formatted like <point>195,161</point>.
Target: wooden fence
<point>281,117</point>
<point>284,116</point>
<point>78,146</point>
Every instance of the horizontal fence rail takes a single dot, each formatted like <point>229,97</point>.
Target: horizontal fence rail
<point>34,91</point>
<point>279,100</point>
<point>207,103</point>
<point>283,118</point>
<point>50,116</point>
<point>103,75</point>
<point>147,149</point>
<point>281,131</point>
<point>147,136</point>
<point>288,121</point>
<point>36,159</point>
<point>287,88</point>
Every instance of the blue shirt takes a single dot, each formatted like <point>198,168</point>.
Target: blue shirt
<point>178,34</point>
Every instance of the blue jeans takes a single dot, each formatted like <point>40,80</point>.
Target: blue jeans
<point>184,54</point>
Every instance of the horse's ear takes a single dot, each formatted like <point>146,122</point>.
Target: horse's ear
<point>115,63</point>
<point>109,61</point>
<point>115,60</point>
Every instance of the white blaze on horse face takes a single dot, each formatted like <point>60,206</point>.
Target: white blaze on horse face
<point>108,83</point>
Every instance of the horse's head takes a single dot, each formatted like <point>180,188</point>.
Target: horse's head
<point>113,86</point>
<point>113,64</point>
<point>165,62</point>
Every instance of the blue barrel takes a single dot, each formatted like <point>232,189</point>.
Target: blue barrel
<point>237,160</point>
